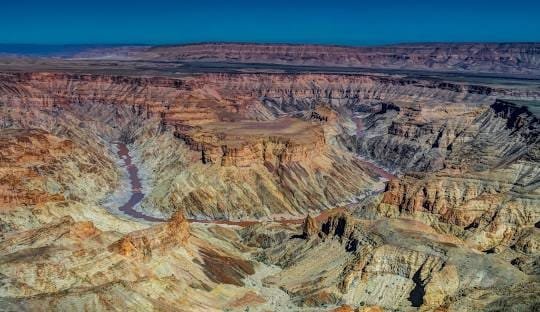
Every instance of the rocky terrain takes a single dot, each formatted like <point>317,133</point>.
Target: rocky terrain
<point>272,191</point>
<point>396,264</point>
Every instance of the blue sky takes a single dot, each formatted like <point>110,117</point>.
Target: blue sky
<point>330,22</point>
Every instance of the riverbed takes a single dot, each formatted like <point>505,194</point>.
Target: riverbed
<point>125,201</point>
<point>130,193</point>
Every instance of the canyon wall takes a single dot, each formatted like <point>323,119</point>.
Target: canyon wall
<point>265,142</point>
<point>396,264</point>
<point>487,182</point>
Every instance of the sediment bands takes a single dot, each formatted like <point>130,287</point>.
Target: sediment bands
<point>464,57</point>
<point>165,95</point>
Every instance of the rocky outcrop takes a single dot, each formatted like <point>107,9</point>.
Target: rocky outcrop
<point>431,137</point>
<point>36,238</point>
<point>72,265</point>
<point>414,137</point>
<point>309,227</point>
<point>397,271</point>
<point>159,238</point>
<point>273,143</point>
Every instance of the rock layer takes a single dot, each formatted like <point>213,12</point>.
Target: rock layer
<point>478,57</point>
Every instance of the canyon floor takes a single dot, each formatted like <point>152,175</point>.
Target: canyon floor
<point>155,185</point>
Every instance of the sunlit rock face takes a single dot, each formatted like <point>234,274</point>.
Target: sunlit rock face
<point>261,198</point>
<point>487,182</point>
<point>38,168</point>
<point>158,239</point>
<point>397,264</point>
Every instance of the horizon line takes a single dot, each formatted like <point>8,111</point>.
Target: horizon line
<point>267,43</point>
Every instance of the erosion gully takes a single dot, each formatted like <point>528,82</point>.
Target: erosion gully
<point>137,194</point>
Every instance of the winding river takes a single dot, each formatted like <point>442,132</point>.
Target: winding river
<point>136,192</point>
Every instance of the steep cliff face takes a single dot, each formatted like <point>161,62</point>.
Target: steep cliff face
<point>159,239</point>
<point>37,167</point>
<point>279,181</point>
<point>274,143</point>
<point>428,135</point>
<point>221,97</point>
<point>479,57</point>
<point>397,264</point>
<point>489,186</point>
<point>115,103</point>
<point>415,136</point>
<point>503,134</point>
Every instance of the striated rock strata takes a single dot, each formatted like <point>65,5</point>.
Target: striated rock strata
<point>470,57</point>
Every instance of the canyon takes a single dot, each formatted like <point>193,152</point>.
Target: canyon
<point>271,190</point>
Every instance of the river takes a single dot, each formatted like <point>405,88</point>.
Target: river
<point>136,192</point>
